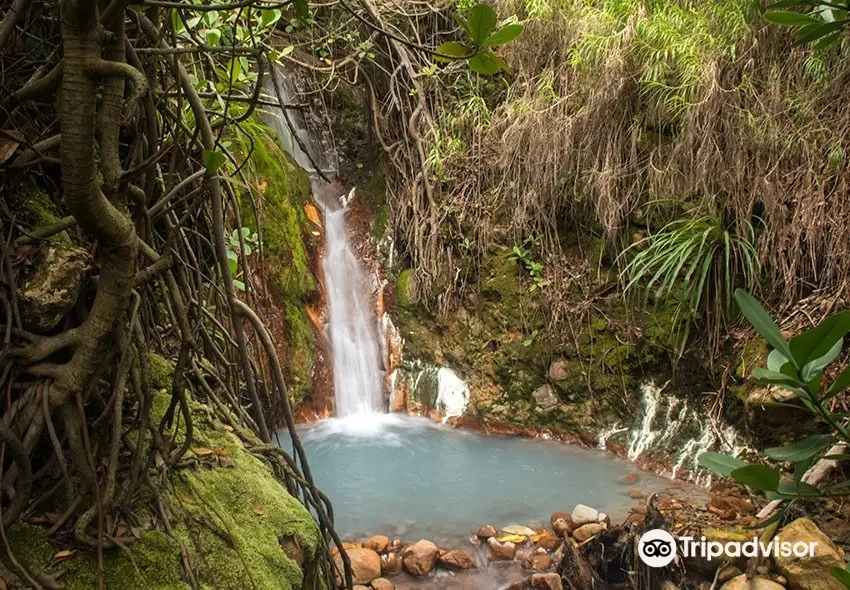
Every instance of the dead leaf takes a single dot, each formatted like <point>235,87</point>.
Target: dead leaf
<point>8,144</point>
<point>201,451</point>
<point>313,214</point>
<point>227,427</point>
<point>64,554</point>
<point>258,510</point>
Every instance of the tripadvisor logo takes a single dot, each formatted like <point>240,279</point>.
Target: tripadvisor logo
<point>657,548</point>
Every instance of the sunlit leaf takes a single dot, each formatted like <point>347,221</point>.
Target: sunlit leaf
<point>794,19</point>
<point>802,450</point>
<point>485,63</point>
<point>213,161</point>
<point>453,50</point>
<point>504,35</point>
<point>760,477</point>
<point>482,21</point>
<point>720,464</point>
<point>763,323</point>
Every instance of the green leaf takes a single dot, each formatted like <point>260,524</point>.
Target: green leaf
<point>720,464</point>
<point>269,16</point>
<point>792,19</point>
<point>760,477</point>
<point>800,488</point>
<point>302,8</point>
<point>841,575</point>
<point>453,50</point>
<point>233,265</point>
<point>816,342</point>
<point>802,450</point>
<point>764,324</point>
<point>504,35</point>
<point>776,360</point>
<point>213,36</point>
<point>821,31</point>
<point>213,161</point>
<point>240,286</point>
<point>813,368</point>
<point>837,457</point>
<point>772,376</point>
<point>482,21</point>
<point>485,63</point>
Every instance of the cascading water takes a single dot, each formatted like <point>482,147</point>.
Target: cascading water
<point>352,325</point>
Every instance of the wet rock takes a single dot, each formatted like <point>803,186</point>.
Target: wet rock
<point>501,551</point>
<point>583,515</point>
<point>382,584</point>
<point>668,585</point>
<point>390,564</point>
<point>378,543</point>
<point>583,533</point>
<point>629,478</point>
<point>550,581</point>
<point>486,532</point>
<point>545,398</point>
<point>365,564</point>
<point>756,583</point>
<point>556,515</point>
<point>361,587</point>
<point>456,560</point>
<point>548,540</point>
<point>559,370</point>
<point>810,572</point>
<point>518,585</point>
<point>50,291</point>
<point>539,561</point>
<point>604,519</point>
<point>395,545</point>
<point>727,573</point>
<point>563,526</point>
<point>419,559</point>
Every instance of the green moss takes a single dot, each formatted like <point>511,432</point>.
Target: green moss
<point>405,296</point>
<point>753,354</point>
<point>162,371</point>
<point>39,210</point>
<point>30,545</point>
<point>380,222</point>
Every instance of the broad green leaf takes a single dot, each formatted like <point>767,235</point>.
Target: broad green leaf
<point>269,16</point>
<point>816,342</point>
<point>453,50</point>
<point>720,464</point>
<point>764,324</point>
<point>776,360</point>
<point>772,376</point>
<point>759,477</point>
<point>793,19</point>
<point>841,575</point>
<point>302,8</point>
<point>837,457</point>
<point>213,161</point>
<point>814,368</point>
<point>482,21</point>
<point>232,265</point>
<point>240,286</point>
<point>802,450</point>
<point>485,63</point>
<point>504,35</point>
<point>821,31</point>
<point>800,488</point>
<point>213,36</point>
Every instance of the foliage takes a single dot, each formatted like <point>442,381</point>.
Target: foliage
<point>696,262</point>
<point>524,254</point>
<point>240,240</point>
<point>823,25</point>
<point>482,35</point>
<point>797,365</point>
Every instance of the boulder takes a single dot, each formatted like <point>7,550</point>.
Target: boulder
<point>501,551</point>
<point>756,583</point>
<point>559,370</point>
<point>419,559</point>
<point>51,289</point>
<point>584,514</point>
<point>382,584</point>
<point>809,573</point>
<point>365,564</point>
<point>545,398</point>
<point>538,561</point>
<point>390,564</point>
<point>583,533</point>
<point>486,532</point>
<point>456,560</point>
<point>550,581</point>
<point>378,543</point>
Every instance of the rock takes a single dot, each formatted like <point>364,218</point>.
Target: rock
<point>556,515</point>
<point>456,560</point>
<point>390,564</point>
<point>668,585</point>
<point>419,559</point>
<point>563,527</point>
<point>382,584</point>
<point>537,561</point>
<point>810,572</point>
<point>548,540</point>
<point>486,532</point>
<point>516,529</point>
<point>782,580</point>
<point>501,551</point>
<point>604,519</point>
<point>757,583</point>
<point>365,564</point>
<point>559,370</point>
<point>545,398</point>
<point>629,478</point>
<point>378,543</point>
<point>727,573</point>
<point>546,582</point>
<point>583,515</point>
<point>291,546</point>
<point>361,587</point>
<point>51,289</point>
<point>583,533</point>
<point>518,585</point>
<point>396,545</point>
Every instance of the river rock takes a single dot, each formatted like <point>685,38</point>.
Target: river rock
<point>585,532</point>
<point>810,573</point>
<point>563,526</point>
<point>559,370</point>
<point>501,551</point>
<point>727,573</point>
<point>382,584</point>
<point>378,543</point>
<point>361,587</point>
<point>548,540</point>
<point>419,559</point>
<point>545,398</point>
<point>365,564</point>
<point>756,583</point>
<point>396,545</point>
<point>604,519</point>
<point>550,581</point>
<point>584,515</point>
<point>390,564</point>
<point>456,560</point>
<point>486,532</point>
<point>538,561</point>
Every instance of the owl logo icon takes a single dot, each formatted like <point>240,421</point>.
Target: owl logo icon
<point>657,548</point>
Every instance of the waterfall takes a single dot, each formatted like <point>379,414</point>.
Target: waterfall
<point>352,321</point>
